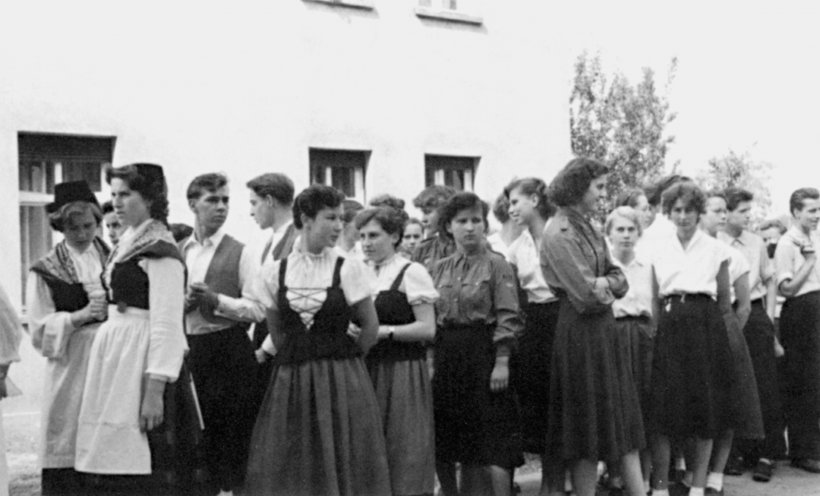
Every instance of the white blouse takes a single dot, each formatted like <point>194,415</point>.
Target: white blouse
<point>308,276</point>
<point>523,253</point>
<point>416,283</point>
<point>690,270</point>
<point>637,301</point>
<point>788,259</point>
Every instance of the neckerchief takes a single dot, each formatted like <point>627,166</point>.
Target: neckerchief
<point>59,264</point>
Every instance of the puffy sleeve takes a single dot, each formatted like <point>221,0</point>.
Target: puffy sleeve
<point>418,285</point>
<point>166,297</point>
<point>10,331</point>
<point>49,328</point>
<point>357,280</point>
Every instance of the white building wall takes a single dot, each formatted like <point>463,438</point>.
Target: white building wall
<point>248,87</point>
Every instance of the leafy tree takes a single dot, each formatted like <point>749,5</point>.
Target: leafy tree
<point>740,171</point>
<point>621,124</point>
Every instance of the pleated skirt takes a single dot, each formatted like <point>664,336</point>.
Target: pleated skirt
<point>319,432</point>
<point>692,370</point>
<point>594,411</point>
<point>405,397</point>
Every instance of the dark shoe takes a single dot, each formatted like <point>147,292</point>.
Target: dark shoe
<point>734,466</point>
<point>807,464</point>
<point>763,471</point>
<point>710,491</point>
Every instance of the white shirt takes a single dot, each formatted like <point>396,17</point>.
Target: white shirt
<point>497,244</point>
<point>523,253</point>
<point>738,266</point>
<point>753,249</point>
<point>416,283</point>
<point>660,228</point>
<point>198,256</point>
<point>788,260</point>
<point>690,270</point>
<point>637,301</point>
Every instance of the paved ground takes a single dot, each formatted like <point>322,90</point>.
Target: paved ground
<point>22,429</point>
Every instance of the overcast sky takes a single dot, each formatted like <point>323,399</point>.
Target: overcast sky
<point>747,78</point>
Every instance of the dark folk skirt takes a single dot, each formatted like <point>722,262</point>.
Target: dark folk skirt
<point>405,397</point>
<point>319,431</point>
<point>474,425</point>
<point>692,370</point>
<point>530,368</point>
<point>594,412</point>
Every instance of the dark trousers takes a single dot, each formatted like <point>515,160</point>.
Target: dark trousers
<point>759,333</point>
<point>224,371</point>
<point>800,336</point>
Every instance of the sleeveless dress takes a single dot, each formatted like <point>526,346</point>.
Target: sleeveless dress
<point>405,396</point>
<point>318,431</point>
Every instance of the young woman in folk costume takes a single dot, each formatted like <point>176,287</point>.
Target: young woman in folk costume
<point>138,351</point>
<point>319,429</point>
<point>66,305</point>
<point>404,295</point>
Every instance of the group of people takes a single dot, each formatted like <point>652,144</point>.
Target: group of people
<point>365,352</point>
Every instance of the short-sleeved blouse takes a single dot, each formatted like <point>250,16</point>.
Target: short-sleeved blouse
<point>523,253</point>
<point>690,270</point>
<point>307,276</point>
<point>788,259</point>
<point>416,283</point>
<point>637,302</point>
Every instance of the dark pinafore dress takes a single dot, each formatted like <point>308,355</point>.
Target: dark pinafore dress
<point>319,431</point>
<point>405,396</point>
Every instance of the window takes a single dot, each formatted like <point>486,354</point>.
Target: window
<point>45,160</point>
<point>465,11</point>
<point>342,169</point>
<point>447,170</point>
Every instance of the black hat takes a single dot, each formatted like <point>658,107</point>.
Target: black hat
<point>151,173</point>
<point>69,192</point>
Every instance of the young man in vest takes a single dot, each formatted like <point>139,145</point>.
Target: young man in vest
<point>271,198</point>
<point>221,357</point>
